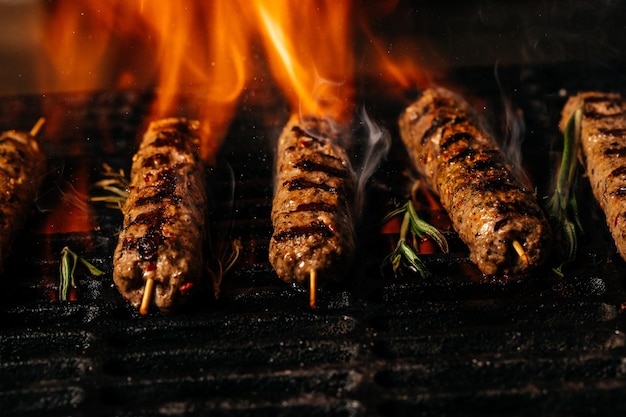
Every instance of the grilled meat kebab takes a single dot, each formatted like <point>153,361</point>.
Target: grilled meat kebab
<point>603,145</point>
<point>22,167</point>
<point>311,210</point>
<point>499,220</point>
<point>164,217</point>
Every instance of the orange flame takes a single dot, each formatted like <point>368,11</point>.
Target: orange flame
<point>199,50</point>
<point>309,47</point>
<point>178,46</point>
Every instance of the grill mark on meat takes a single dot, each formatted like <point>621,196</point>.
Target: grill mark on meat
<point>303,183</point>
<point>454,138</point>
<point>488,206</point>
<point>613,131</point>
<point>437,122</point>
<point>617,172</point>
<point>165,187</point>
<point>464,153</point>
<point>319,228</point>
<point>311,166</point>
<point>316,206</point>
<point>619,152</point>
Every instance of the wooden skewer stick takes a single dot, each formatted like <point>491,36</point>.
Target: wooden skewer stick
<point>147,293</point>
<point>37,127</point>
<point>313,289</point>
<point>520,251</point>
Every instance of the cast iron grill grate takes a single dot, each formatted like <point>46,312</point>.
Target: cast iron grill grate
<point>450,345</point>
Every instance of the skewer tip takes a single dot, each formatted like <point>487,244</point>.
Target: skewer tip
<point>520,251</point>
<point>147,296</point>
<point>37,127</point>
<point>313,289</point>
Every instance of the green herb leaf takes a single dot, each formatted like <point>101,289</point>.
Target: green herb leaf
<point>115,185</point>
<point>404,253</point>
<point>421,228</point>
<point>413,259</point>
<point>562,206</point>
<point>67,267</point>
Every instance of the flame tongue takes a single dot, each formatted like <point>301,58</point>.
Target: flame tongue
<point>202,46</point>
<point>309,48</point>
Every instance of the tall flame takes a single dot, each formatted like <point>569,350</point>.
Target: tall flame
<point>176,46</point>
<point>309,47</point>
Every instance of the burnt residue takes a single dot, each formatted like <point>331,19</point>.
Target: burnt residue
<point>618,152</point>
<point>302,184</point>
<point>318,228</point>
<point>617,172</point>
<point>301,134</point>
<point>164,186</point>
<point>454,138</point>
<point>613,131</point>
<point>317,206</point>
<point>311,166</point>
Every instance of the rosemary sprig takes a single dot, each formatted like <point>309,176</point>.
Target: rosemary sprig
<point>562,206</point>
<point>115,184</point>
<point>418,228</point>
<point>69,260</point>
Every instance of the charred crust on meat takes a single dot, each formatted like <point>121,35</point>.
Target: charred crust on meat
<point>618,172</point>
<point>310,166</point>
<point>165,187</point>
<point>318,228</point>
<point>302,184</point>
<point>317,206</point>
<point>618,152</point>
<point>454,138</point>
<point>436,124</point>
<point>464,153</point>
<point>599,107</point>
<point>177,139</point>
<point>613,131</point>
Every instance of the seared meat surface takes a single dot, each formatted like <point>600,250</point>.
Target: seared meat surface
<point>603,145</point>
<point>489,207</point>
<point>164,217</point>
<point>22,167</point>
<point>311,210</point>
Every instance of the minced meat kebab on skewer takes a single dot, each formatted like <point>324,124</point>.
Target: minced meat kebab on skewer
<point>311,210</point>
<point>22,167</point>
<point>603,145</point>
<point>499,220</point>
<point>160,247</point>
